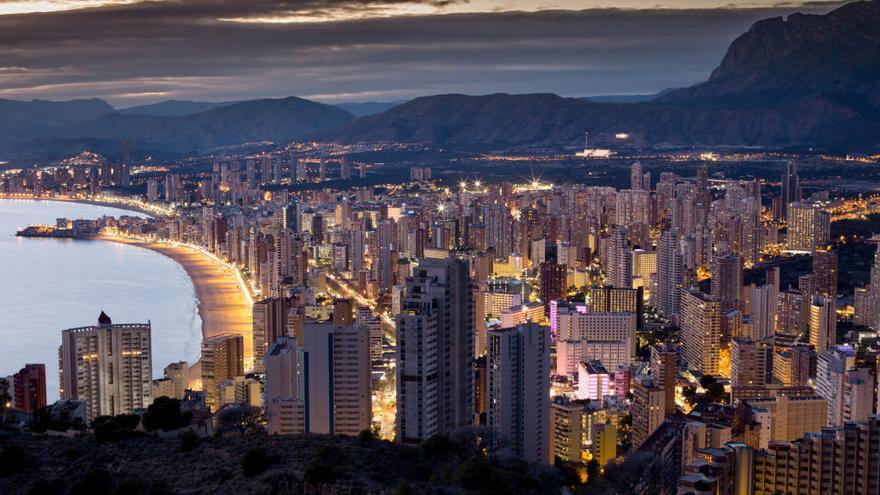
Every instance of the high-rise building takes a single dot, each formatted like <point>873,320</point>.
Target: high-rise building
<point>647,409</point>
<point>269,323</point>
<point>842,459</point>
<point>822,323</point>
<point>637,176</point>
<point>107,366</point>
<point>337,377</point>
<point>222,359</point>
<point>435,349</point>
<point>791,189</point>
<point>665,373</point>
<point>519,392</point>
<point>727,277</point>
<point>825,272</point>
<point>809,227</point>
<point>751,362</point>
<point>373,324</point>
<point>29,388</point>
<point>764,304</point>
<point>666,293</point>
<point>619,270</point>
<point>552,279</point>
<point>701,331</point>
<point>284,387</point>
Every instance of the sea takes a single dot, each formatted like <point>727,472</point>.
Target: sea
<point>48,285</point>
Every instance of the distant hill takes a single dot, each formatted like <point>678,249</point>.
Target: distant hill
<point>809,80</point>
<point>619,98</point>
<point>368,107</point>
<point>277,120</point>
<point>174,108</point>
<point>24,119</point>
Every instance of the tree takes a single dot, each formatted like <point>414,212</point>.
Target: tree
<point>328,464</point>
<point>12,460</point>
<point>254,462</point>
<point>242,418</point>
<point>642,473</point>
<point>164,414</point>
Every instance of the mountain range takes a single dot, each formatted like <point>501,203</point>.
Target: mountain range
<point>808,80</point>
<point>800,81</point>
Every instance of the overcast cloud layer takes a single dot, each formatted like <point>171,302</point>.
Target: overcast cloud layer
<point>224,50</point>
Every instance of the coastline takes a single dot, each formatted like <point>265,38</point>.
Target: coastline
<point>222,305</point>
<point>93,202</point>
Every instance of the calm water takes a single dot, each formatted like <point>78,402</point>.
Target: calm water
<point>47,285</point>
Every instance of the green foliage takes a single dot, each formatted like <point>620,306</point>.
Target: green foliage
<point>404,488</point>
<point>113,428</point>
<point>255,462</point>
<point>44,421</point>
<point>368,435</point>
<point>12,460</point>
<point>440,447</point>
<point>241,418</point>
<point>46,487</point>
<point>189,440</point>
<point>327,465</point>
<point>164,414</point>
<point>95,482</point>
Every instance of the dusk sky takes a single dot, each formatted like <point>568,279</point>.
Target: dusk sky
<point>132,52</point>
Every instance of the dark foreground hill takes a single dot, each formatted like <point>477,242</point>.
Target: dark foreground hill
<point>308,464</point>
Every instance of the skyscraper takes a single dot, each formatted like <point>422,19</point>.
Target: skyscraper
<point>29,388</point>
<point>825,272</point>
<point>269,323</point>
<point>666,293</point>
<point>791,188</point>
<point>552,278</point>
<point>647,409</point>
<point>619,270</point>
<point>519,392</point>
<point>822,323</point>
<point>435,348</point>
<point>665,373</point>
<point>701,331</point>
<point>107,366</point>
<point>809,227</point>
<point>337,378</point>
<point>727,279</point>
<point>222,359</point>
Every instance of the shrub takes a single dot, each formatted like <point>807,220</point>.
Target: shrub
<point>254,462</point>
<point>189,440</point>
<point>164,414</point>
<point>12,460</point>
<point>327,465</point>
<point>95,482</point>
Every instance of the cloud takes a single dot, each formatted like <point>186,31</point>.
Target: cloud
<point>147,51</point>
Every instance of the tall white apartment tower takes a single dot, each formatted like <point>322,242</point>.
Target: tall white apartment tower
<point>435,349</point>
<point>518,370</point>
<point>107,366</point>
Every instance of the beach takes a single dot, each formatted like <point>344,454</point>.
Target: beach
<point>223,306</point>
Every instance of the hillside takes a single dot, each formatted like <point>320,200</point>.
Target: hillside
<point>256,464</point>
<point>810,80</point>
<point>60,130</point>
<point>174,108</point>
<point>26,118</point>
<point>277,120</point>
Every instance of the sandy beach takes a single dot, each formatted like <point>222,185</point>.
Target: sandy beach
<point>222,305</point>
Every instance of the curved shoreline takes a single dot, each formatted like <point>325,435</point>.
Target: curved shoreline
<point>85,201</point>
<point>221,303</point>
